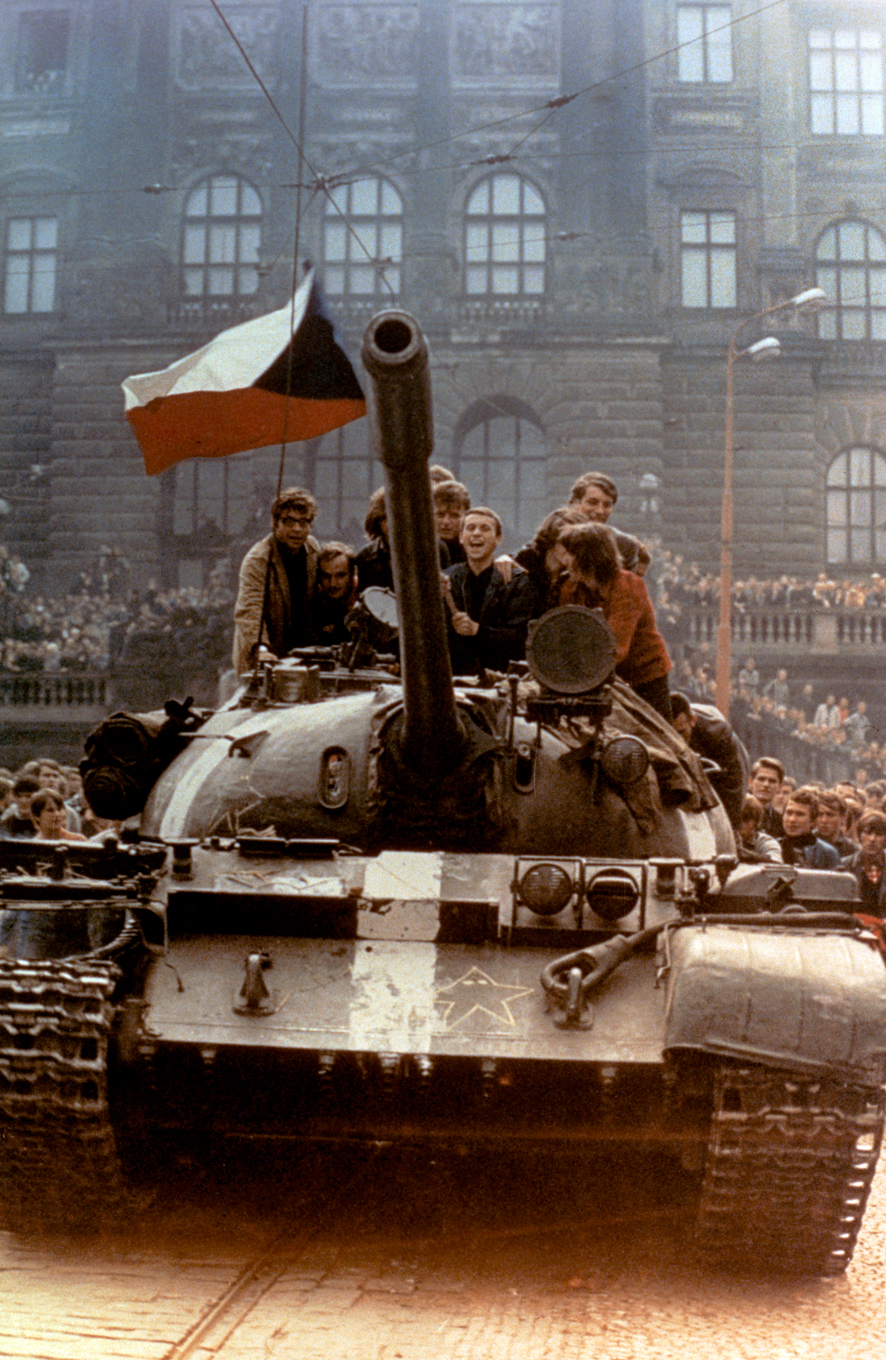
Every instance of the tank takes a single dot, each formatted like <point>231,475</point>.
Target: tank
<point>367,900</point>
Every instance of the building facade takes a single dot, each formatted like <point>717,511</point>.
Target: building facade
<point>579,200</point>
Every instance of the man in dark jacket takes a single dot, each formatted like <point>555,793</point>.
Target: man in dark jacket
<point>488,617</point>
<point>800,845</point>
<point>767,777</point>
<point>711,736</point>
<point>831,823</point>
<point>336,593</point>
<point>277,580</point>
<point>594,496</point>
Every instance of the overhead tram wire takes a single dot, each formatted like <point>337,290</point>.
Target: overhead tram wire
<point>550,106</point>
<point>325,184</point>
<point>321,183</point>
<point>303,159</point>
<point>553,105</point>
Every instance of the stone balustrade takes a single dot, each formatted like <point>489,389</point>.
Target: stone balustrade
<point>54,689</point>
<point>50,713</point>
<point>766,629</point>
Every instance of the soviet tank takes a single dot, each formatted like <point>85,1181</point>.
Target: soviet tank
<point>367,900</point>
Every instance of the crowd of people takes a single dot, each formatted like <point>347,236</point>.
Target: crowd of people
<point>305,590</point>
<point>44,800</point>
<point>295,592</point>
<point>775,706</point>
<point>110,624</point>
<point>683,585</point>
<point>841,828</point>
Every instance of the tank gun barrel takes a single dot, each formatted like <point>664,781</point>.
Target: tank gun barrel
<point>395,356</point>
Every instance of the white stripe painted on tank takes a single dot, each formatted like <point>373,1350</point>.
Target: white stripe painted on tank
<point>207,762</point>
<point>394,1002</point>
<point>411,874</point>
<point>700,835</point>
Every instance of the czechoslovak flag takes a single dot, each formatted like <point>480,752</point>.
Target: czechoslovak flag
<point>231,395</point>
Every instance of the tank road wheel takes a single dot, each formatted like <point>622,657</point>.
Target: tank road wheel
<point>59,1166</point>
<point>789,1165</point>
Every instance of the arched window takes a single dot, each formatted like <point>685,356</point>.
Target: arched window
<point>856,508</point>
<point>505,238</point>
<point>343,475</point>
<point>222,238</point>
<point>851,268</point>
<point>501,458</point>
<point>363,239</point>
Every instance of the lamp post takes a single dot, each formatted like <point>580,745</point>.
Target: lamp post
<point>767,348</point>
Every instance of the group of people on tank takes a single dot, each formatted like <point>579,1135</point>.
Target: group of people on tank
<point>294,592</point>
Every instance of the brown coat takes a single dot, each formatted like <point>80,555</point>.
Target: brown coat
<point>641,653</point>
<point>279,610</point>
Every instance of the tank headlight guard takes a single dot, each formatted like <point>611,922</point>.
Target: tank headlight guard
<point>546,887</point>
<point>612,894</point>
<point>624,760</point>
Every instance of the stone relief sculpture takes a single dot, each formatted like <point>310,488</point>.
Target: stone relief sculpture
<point>207,56</point>
<point>505,42</point>
<point>357,44</point>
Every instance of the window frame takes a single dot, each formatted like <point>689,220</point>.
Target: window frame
<point>481,415</point>
<point>831,274</point>
<point>62,86</point>
<point>360,256</point>
<point>31,253</point>
<point>853,494</point>
<point>838,100</point>
<point>525,227</point>
<point>706,47</point>
<point>710,250</point>
<point>210,222</point>
<point>330,469</point>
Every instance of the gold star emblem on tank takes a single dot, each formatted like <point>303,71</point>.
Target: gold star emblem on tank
<point>475,991</point>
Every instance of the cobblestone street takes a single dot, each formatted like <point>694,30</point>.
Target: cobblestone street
<point>394,1257</point>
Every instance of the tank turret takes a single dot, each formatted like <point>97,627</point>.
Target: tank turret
<point>416,758</point>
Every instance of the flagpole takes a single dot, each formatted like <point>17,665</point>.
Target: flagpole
<point>296,251</point>
<point>295,255</point>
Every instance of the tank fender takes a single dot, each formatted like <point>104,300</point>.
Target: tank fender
<point>792,997</point>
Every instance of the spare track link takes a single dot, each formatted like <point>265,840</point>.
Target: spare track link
<point>59,1166</point>
<point>789,1165</point>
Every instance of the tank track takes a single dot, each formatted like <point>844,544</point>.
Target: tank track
<point>59,1166</point>
<point>789,1165</point>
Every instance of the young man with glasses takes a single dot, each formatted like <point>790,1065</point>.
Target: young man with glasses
<point>277,580</point>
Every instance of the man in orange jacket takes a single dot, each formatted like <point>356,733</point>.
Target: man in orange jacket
<point>597,579</point>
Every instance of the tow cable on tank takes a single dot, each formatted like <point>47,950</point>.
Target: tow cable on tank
<point>584,969</point>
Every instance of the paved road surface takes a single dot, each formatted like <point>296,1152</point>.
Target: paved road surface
<point>393,1256</point>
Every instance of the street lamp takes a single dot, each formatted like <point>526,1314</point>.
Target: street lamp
<point>767,348</point>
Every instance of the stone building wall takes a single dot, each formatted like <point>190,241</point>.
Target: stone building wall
<point>607,363</point>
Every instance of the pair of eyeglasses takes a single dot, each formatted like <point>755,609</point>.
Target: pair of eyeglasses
<point>297,521</point>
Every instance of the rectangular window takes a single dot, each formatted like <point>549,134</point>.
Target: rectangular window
<point>846,84</point>
<point>30,265</point>
<point>704,44</point>
<point>708,259</point>
<point>42,53</point>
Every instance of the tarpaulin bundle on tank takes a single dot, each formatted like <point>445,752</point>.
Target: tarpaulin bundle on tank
<point>126,754</point>
<point>675,776</point>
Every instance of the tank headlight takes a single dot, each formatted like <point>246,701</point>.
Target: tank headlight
<point>612,894</point>
<point>624,760</point>
<point>545,889</point>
